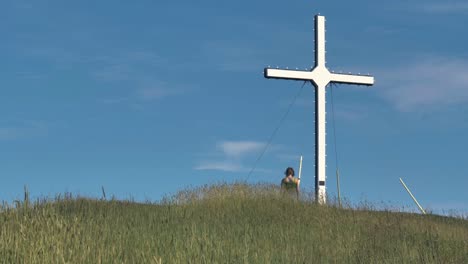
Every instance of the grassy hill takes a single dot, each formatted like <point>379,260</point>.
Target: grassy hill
<point>223,224</point>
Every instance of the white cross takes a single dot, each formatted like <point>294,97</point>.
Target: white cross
<point>320,76</point>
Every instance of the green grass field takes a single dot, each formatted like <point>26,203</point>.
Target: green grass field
<point>234,223</point>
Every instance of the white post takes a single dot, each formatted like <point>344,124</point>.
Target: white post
<point>300,168</point>
<point>320,77</point>
<point>412,196</point>
<point>320,149</point>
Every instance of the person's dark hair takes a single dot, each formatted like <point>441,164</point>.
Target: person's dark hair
<point>289,171</point>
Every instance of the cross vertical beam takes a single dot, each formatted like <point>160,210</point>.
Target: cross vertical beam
<point>320,77</point>
<point>320,110</point>
<point>320,144</point>
<point>320,41</point>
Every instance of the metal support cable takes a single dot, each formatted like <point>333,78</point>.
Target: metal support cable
<point>334,126</point>
<point>336,148</point>
<point>276,130</point>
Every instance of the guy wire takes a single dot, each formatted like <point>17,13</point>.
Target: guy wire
<point>276,130</point>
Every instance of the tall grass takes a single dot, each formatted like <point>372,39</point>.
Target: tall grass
<point>234,223</point>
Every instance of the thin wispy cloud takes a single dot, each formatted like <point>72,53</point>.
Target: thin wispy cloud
<point>247,54</point>
<point>220,166</point>
<point>350,114</point>
<point>54,58</point>
<point>113,101</point>
<point>113,72</point>
<point>30,75</point>
<point>152,89</point>
<point>9,133</point>
<point>426,85</point>
<point>135,69</point>
<point>446,7</point>
<point>108,65</point>
<point>230,156</point>
<point>285,157</point>
<point>232,57</point>
<point>131,66</point>
<point>347,111</point>
<point>148,91</point>
<point>308,102</point>
<point>153,93</point>
<point>21,4</point>
<point>383,30</point>
<point>23,129</point>
<point>238,149</point>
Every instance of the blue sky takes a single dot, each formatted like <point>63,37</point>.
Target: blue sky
<point>152,97</point>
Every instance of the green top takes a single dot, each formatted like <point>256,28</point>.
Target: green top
<point>292,184</point>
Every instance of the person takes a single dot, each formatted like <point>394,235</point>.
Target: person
<point>290,184</point>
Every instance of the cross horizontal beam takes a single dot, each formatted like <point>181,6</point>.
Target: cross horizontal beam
<point>288,74</point>
<point>351,79</point>
<point>319,73</point>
